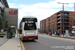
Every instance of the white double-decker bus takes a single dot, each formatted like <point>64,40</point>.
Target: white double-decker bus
<point>28,28</point>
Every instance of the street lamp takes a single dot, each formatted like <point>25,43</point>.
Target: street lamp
<point>63,13</point>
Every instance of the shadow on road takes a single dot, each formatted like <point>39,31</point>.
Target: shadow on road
<point>25,41</point>
<point>1,36</point>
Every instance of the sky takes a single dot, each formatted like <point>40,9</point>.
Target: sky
<point>39,8</point>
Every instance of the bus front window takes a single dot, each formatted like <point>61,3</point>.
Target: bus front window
<point>30,26</point>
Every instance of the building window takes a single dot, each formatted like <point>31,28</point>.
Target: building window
<point>70,17</point>
<point>73,17</point>
<point>74,21</point>
<point>71,21</point>
<point>58,14</point>
<point>53,19</point>
<point>70,13</point>
<point>53,25</point>
<point>73,24</point>
<point>53,22</point>
<point>53,16</point>
<point>70,25</point>
<point>54,29</point>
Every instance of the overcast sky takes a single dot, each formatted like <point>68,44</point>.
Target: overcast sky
<point>39,8</point>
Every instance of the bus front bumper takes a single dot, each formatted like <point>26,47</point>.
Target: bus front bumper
<point>29,37</point>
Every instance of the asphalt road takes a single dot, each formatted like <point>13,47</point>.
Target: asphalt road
<point>46,42</point>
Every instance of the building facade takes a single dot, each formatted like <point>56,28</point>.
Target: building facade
<point>56,21</point>
<point>3,4</point>
<point>44,25</point>
<point>47,24</point>
<point>11,15</point>
<point>41,28</point>
<point>53,23</point>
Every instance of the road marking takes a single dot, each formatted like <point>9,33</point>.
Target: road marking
<point>46,44</point>
<point>40,42</point>
<point>22,45</point>
<point>52,47</point>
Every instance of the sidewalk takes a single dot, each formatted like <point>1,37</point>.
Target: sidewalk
<point>53,35</point>
<point>61,36</point>
<point>2,41</point>
<point>11,44</point>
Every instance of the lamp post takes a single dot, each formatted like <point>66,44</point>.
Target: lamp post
<point>63,13</point>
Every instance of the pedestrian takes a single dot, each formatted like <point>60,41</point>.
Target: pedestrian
<point>58,33</point>
<point>9,33</point>
<point>72,32</point>
<point>50,33</point>
<point>46,33</point>
<point>55,32</point>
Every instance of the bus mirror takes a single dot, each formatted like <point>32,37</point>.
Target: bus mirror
<point>35,20</point>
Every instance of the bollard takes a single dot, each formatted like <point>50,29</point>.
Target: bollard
<point>17,35</point>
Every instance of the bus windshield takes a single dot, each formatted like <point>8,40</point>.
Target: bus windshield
<point>29,24</point>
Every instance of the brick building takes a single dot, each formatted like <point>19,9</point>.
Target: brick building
<point>47,24</point>
<point>44,25</point>
<point>41,28</point>
<point>55,21</point>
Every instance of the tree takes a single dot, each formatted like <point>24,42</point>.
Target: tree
<point>6,24</point>
<point>1,23</point>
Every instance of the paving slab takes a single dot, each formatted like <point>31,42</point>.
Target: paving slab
<point>11,44</point>
<point>3,40</point>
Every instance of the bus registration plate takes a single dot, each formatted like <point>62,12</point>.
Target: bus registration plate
<point>30,38</point>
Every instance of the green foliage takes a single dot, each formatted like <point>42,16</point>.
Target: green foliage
<point>12,31</point>
<point>3,33</point>
<point>6,24</point>
<point>38,30</point>
<point>1,23</point>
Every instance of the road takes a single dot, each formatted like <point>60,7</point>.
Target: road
<point>46,42</point>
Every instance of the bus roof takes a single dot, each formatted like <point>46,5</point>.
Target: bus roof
<point>29,17</point>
